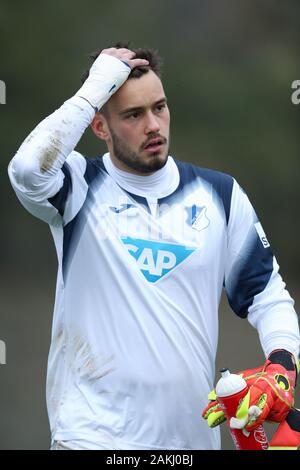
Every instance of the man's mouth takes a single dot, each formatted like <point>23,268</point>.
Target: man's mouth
<point>155,144</point>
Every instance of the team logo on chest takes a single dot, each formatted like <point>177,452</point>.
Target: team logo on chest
<point>121,208</point>
<point>197,217</point>
<point>156,259</point>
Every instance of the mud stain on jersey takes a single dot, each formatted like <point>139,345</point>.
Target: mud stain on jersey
<point>90,365</point>
<point>51,153</point>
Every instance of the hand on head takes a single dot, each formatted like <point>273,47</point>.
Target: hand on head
<point>126,55</point>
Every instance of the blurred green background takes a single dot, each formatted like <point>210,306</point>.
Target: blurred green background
<point>228,70</point>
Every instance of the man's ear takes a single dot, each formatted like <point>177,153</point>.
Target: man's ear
<point>100,127</point>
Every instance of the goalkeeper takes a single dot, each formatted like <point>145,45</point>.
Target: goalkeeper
<point>145,243</point>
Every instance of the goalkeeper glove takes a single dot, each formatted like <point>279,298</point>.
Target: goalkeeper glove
<point>270,395</point>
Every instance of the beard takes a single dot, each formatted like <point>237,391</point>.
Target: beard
<point>135,160</point>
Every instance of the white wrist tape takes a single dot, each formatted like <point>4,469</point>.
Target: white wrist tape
<point>107,75</point>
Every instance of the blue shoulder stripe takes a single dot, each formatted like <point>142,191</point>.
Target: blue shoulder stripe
<point>73,230</point>
<point>221,183</point>
<point>250,276</point>
<point>60,198</point>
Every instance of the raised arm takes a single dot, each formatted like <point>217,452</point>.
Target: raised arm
<point>39,169</point>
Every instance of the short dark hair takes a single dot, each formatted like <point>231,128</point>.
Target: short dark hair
<point>155,61</point>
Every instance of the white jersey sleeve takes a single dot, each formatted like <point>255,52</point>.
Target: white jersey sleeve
<point>253,284</point>
<point>45,168</point>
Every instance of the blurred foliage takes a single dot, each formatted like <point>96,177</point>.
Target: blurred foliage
<point>228,69</point>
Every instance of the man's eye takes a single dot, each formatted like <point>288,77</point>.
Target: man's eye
<point>133,115</point>
<point>160,107</point>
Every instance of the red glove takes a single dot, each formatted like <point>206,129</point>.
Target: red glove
<point>272,390</point>
<point>270,395</point>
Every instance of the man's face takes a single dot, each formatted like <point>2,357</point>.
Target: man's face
<point>138,122</point>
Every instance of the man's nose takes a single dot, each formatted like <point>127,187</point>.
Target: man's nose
<point>152,124</point>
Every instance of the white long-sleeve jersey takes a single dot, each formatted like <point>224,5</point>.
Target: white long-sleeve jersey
<point>135,324</point>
